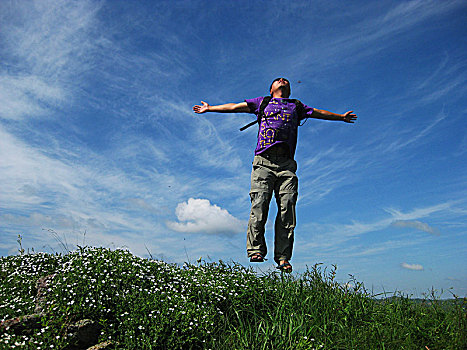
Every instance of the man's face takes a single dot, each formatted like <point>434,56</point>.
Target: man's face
<point>280,84</point>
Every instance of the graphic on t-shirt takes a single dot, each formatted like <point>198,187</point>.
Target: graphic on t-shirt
<point>274,125</point>
<point>279,122</point>
<point>266,137</point>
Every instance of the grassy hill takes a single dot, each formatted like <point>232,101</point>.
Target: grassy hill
<point>149,304</point>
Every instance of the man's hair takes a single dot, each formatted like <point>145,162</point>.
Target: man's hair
<point>270,87</point>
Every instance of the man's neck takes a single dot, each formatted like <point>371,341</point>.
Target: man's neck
<point>278,94</point>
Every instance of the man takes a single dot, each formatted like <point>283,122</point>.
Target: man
<point>274,166</point>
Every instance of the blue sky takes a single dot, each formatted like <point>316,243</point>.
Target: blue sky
<point>98,141</point>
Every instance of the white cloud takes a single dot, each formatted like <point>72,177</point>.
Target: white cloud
<point>415,267</point>
<point>200,216</point>
<point>416,224</point>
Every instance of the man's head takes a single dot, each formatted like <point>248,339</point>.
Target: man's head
<point>280,86</point>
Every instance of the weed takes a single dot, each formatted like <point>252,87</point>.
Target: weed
<point>150,304</point>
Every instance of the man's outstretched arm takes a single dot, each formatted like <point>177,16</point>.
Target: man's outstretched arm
<point>348,117</point>
<point>241,107</point>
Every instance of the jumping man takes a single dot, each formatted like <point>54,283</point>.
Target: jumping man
<point>274,166</point>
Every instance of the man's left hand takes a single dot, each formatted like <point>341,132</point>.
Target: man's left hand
<point>349,117</point>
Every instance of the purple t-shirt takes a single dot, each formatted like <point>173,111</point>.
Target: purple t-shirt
<point>280,123</point>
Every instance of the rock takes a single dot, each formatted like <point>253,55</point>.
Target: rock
<point>23,325</point>
<point>101,346</point>
<point>26,325</point>
<point>42,285</point>
<point>83,334</point>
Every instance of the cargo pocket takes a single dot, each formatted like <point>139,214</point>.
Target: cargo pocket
<point>262,178</point>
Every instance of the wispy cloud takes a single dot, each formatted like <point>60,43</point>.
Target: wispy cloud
<point>418,213</point>
<point>335,238</point>
<point>453,279</point>
<point>414,267</point>
<point>47,44</point>
<point>68,194</point>
<point>411,136</point>
<point>370,250</point>
<point>200,216</point>
<point>322,173</point>
<point>417,225</point>
<point>27,96</point>
<point>447,78</point>
<point>374,32</point>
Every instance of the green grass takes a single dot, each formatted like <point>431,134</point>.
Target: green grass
<point>150,304</point>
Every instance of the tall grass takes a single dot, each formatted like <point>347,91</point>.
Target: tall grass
<point>150,304</point>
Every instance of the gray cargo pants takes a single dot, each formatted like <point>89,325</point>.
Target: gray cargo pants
<point>273,171</point>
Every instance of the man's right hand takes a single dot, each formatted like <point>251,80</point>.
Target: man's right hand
<point>201,109</point>
<point>241,107</point>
